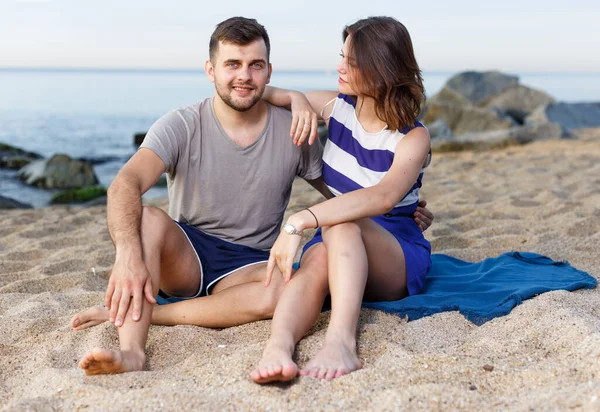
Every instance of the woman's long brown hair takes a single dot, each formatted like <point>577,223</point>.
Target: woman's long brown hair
<point>382,54</point>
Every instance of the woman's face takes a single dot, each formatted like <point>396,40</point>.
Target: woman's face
<point>347,70</point>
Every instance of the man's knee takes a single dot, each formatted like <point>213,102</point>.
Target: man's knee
<point>314,265</point>
<point>272,294</point>
<point>154,224</point>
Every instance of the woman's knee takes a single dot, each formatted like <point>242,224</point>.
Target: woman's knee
<point>342,231</point>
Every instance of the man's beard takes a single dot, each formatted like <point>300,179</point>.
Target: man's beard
<point>238,106</point>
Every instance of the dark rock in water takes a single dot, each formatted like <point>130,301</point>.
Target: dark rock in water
<point>480,86</point>
<point>568,115</point>
<point>60,171</point>
<point>82,195</point>
<point>519,102</point>
<point>138,138</point>
<point>100,160</point>
<point>15,158</point>
<point>8,203</point>
<point>14,163</point>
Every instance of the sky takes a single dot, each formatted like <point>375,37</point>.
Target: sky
<point>512,36</point>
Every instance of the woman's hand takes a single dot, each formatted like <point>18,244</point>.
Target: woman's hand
<point>282,256</point>
<point>304,120</point>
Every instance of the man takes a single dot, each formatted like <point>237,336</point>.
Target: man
<point>230,165</point>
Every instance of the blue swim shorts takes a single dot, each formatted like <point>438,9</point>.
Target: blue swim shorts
<point>218,258</point>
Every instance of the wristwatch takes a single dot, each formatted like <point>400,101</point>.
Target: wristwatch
<point>290,229</point>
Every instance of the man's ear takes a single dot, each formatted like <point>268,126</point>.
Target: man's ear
<point>270,72</point>
<point>210,71</point>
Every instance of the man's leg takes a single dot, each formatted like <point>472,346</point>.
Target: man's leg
<point>172,264</point>
<point>306,290</point>
<point>239,298</point>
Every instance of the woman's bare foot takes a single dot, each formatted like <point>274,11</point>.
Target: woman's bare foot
<point>100,361</point>
<point>90,317</point>
<point>337,358</point>
<point>275,365</point>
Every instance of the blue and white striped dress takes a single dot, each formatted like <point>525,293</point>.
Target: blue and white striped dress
<point>354,159</point>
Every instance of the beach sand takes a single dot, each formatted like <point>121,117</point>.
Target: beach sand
<point>543,197</point>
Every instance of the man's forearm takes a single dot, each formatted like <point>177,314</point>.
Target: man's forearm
<point>124,214</point>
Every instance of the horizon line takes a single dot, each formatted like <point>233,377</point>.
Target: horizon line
<point>201,70</point>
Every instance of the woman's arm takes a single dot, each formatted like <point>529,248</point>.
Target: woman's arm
<point>410,156</point>
<point>304,109</point>
<point>411,153</point>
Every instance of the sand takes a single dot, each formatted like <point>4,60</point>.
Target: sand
<point>543,197</point>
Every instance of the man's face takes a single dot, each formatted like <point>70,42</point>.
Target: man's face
<point>240,73</point>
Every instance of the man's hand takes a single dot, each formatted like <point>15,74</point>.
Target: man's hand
<point>304,120</point>
<point>423,216</point>
<point>129,279</point>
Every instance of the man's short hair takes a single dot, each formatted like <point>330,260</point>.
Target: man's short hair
<point>240,31</point>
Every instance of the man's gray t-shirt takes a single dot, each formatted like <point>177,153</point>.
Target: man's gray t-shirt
<point>238,194</point>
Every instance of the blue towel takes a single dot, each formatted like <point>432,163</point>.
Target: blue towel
<point>484,290</point>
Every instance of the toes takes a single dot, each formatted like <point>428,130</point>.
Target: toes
<point>255,375</point>
<point>322,372</point>
<point>289,371</point>
<point>330,374</point>
<point>276,370</point>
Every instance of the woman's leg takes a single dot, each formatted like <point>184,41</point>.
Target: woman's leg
<point>363,258</point>
<point>296,312</point>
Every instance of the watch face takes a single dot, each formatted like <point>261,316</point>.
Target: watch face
<point>288,228</point>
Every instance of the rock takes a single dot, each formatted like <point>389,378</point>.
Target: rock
<point>14,158</point>
<point>138,138</point>
<point>499,138</point>
<point>8,203</point>
<point>82,195</point>
<point>568,115</point>
<point>466,118</point>
<point>60,171</point>
<point>488,368</point>
<point>478,87</point>
<point>449,96</point>
<point>100,160</point>
<point>518,102</point>
<point>439,129</point>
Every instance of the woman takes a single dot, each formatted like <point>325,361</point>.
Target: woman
<point>373,165</point>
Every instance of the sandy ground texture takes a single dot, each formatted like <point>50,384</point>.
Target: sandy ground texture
<point>544,198</point>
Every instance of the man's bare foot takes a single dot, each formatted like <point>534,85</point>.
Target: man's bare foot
<point>90,317</point>
<point>275,365</point>
<point>100,361</point>
<point>337,358</point>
